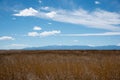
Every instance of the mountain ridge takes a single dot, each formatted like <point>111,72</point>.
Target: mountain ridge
<point>74,47</point>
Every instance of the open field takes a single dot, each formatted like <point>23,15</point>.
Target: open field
<point>60,65</point>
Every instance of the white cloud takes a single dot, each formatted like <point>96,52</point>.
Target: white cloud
<point>91,45</point>
<point>45,8</point>
<point>118,44</point>
<point>33,34</point>
<point>49,33</point>
<point>95,34</point>
<point>6,38</point>
<point>27,12</point>
<point>97,2</point>
<point>51,14</point>
<point>18,45</point>
<point>98,18</point>
<point>37,28</point>
<point>44,34</point>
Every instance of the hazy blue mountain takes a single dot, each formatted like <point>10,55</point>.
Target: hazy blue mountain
<point>56,47</point>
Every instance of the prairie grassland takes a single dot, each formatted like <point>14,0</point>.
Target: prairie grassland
<point>60,65</point>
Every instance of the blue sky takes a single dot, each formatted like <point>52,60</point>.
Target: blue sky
<point>31,23</point>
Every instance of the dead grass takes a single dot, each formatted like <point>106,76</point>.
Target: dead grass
<point>60,65</point>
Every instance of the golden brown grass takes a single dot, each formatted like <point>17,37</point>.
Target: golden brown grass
<point>60,65</point>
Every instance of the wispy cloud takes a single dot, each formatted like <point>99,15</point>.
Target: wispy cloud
<point>91,45</point>
<point>51,14</point>
<point>33,34</point>
<point>18,45</point>
<point>118,44</point>
<point>95,34</point>
<point>6,38</point>
<point>37,28</point>
<point>49,23</point>
<point>44,34</point>
<point>49,33</point>
<point>75,40</point>
<point>45,8</point>
<point>98,18</point>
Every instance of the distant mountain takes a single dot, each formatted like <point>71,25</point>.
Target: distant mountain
<point>56,47</point>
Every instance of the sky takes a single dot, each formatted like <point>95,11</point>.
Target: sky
<point>33,23</point>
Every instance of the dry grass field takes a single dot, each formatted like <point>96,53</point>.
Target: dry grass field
<point>60,65</point>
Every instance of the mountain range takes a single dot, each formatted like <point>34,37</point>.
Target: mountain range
<point>75,47</point>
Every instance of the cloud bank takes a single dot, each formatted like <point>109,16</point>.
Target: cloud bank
<point>18,45</point>
<point>95,34</point>
<point>98,18</point>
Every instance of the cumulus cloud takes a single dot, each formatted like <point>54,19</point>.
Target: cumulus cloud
<point>44,34</point>
<point>97,2</point>
<point>27,12</point>
<point>98,18</point>
<point>6,38</point>
<point>95,34</point>
<point>37,28</point>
